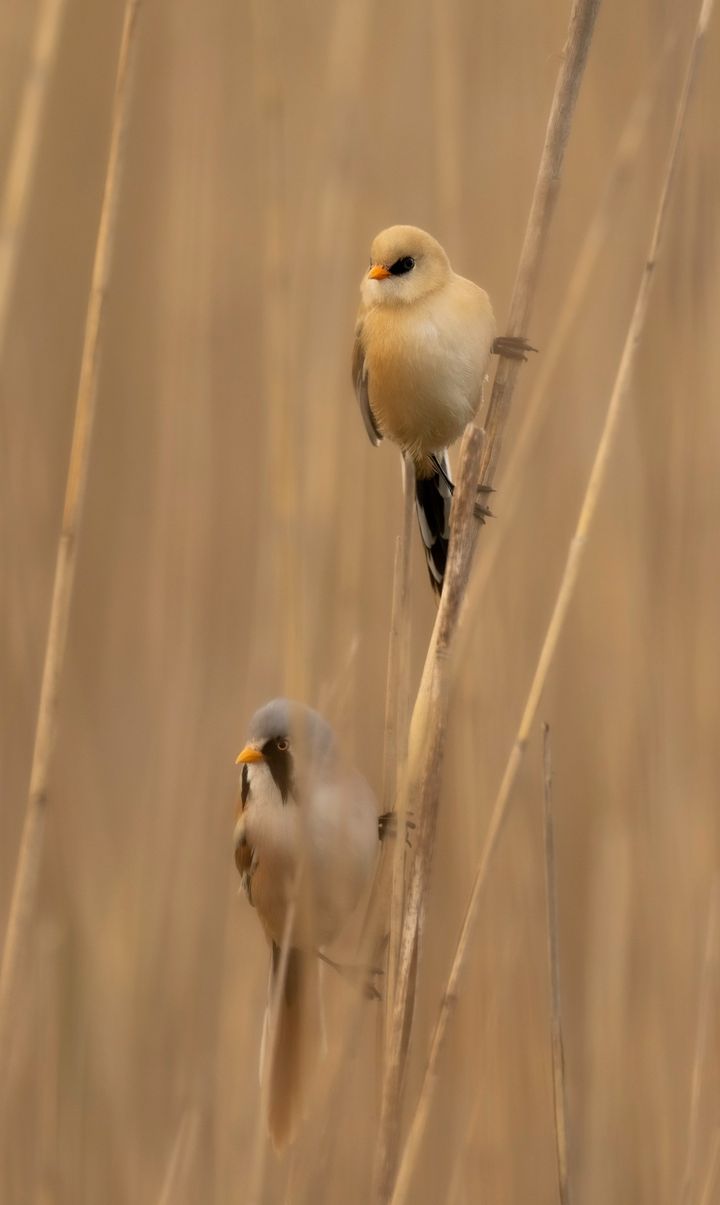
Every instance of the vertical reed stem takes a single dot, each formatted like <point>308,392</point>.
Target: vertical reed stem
<point>28,864</point>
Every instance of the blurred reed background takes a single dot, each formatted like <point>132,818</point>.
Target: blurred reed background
<point>238,542</point>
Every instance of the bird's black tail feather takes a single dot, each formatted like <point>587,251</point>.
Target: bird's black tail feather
<point>433,498</point>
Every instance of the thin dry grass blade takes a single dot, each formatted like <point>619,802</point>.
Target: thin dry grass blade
<point>556,1032</point>
<point>23,154</point>
<point>565,593</point>
<point>26,874</point>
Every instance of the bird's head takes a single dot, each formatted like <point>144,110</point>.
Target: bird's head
<point>406,264</point>
<point>280,734</point>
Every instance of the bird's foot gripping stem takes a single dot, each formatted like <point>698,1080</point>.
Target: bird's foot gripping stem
<point>388,823</point>
<point>362,976</point>
<point>482,510</point>
<point>512,347</point>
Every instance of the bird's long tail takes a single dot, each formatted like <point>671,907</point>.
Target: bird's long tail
<point>290,1045</point>
<point>433,498</point>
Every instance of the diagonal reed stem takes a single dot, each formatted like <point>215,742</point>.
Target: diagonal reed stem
<point>547,187</point>
<point>429,720</point>
<point>587,512</point>
<point>28,864</point>
<point>23,153</point>
<point>537,400</point>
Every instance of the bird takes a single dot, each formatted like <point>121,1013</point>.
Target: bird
<point>306,840</point>
<point>423,340</point>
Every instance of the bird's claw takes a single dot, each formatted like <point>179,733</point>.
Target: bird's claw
<point>512,347</point>
<point>370,990</point>
<point>388,823</point>
<point>353,973</point>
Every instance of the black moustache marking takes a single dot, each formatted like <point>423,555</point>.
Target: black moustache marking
<point>244,785</point>
<point>281,766</point>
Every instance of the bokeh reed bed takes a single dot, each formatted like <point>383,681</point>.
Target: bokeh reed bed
<point>239,540</point>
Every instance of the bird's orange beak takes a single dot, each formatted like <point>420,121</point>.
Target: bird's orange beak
<point>249,754</point>
<point>378,272</point>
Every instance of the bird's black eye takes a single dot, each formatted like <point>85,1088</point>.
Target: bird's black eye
<point>401,266</point>
<point>283,744</point>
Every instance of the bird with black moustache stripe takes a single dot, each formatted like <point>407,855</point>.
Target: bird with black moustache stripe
<point>306,842</point>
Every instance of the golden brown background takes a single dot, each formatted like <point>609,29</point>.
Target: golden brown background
<point>238,542</point>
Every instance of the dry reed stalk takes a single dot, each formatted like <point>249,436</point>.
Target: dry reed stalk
<point>373,929</point>
<point>28,864</point>
<point>564,596</point>
<point>181,1156</point>
<point>23,153</point>
<point>711,959</point>
<point>374,926</point>
<point>535,404</point>
<point>380,923</point>
<point>553,941</point>
<point>396,720</point>
<point>547,187</point>
<point>424,793</point>
<point>427,731</point>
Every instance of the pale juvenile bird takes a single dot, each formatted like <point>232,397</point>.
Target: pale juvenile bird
<point>306,842</point>
<point>422,344</point>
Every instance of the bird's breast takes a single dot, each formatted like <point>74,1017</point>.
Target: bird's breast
<point>425,370</point>
<point>320,852</point>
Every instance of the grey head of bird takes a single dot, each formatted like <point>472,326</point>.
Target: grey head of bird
<point>286,737</point>
<point>406,265</point>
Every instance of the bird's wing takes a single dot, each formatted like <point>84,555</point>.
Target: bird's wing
<point>245,858</point>
<point>360,381</point>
